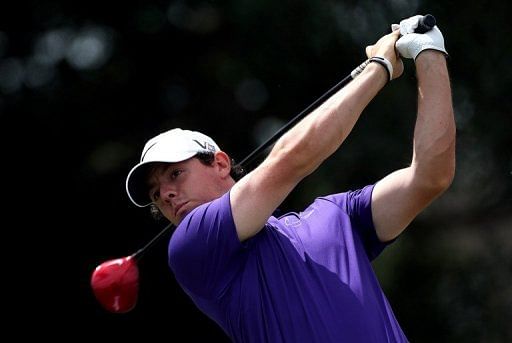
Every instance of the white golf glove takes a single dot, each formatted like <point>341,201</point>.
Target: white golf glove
<point>411,44</point>
<point>409,25</point>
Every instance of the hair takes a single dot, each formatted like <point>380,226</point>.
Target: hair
<point>206,158</point>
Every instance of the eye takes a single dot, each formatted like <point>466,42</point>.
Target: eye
<point>175,173</point>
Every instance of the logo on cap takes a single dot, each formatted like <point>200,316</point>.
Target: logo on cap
<point>206,145</point>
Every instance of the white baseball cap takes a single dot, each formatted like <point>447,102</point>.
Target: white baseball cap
<point>175,145</point>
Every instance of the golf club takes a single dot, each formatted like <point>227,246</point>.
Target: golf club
<point>426,23</point>
<point>115,283</point>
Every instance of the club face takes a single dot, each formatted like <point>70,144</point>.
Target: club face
<point>115,284</point>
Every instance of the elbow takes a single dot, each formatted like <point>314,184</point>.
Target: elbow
<point>445,173</point>
<point>438,182</point>
<point>443,182</point>
<point>434,176</point>
<point>436,169</point>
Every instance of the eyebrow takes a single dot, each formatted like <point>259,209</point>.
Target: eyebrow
<point>151,174</point>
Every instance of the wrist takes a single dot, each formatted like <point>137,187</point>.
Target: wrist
<point>385,64</point>
<point>378,72</point>
<point>431,54</point>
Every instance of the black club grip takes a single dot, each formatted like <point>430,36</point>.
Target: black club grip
<point>426,23</point>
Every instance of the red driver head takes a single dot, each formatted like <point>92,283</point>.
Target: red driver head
<point>116,284</point>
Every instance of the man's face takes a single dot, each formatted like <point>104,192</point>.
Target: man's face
<point>178,188</point>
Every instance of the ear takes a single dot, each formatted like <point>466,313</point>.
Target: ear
<point>223,163</point>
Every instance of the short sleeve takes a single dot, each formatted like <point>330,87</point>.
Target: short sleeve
<point>358,205</point>
<point>204,251</point>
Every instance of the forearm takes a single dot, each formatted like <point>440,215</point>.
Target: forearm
<point>399,197</point>
<point>434,134</point>
<point>320,133</point>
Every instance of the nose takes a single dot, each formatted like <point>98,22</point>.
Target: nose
<point>167,193</point>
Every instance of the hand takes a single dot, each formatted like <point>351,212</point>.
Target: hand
<point>385,47</point>
<point>408,25</point>
<point>411,44</point>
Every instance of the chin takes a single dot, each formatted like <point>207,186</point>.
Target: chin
<point>172,219</point>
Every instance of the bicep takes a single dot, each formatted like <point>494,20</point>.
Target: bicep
<point>396,200</point>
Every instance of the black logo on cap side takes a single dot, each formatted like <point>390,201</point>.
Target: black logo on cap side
<point>206,145</point>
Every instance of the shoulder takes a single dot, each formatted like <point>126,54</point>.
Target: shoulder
<point>351,198</point>
<point>204,244</point>
<point>203,221</point>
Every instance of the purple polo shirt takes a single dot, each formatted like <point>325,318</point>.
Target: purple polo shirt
<point>305,277</point>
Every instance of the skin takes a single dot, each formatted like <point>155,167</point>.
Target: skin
<point>397,198</point>
<point>178,188</point>
<point>401,196</point>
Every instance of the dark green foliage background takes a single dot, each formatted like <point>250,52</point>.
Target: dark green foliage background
<point>181,64</point>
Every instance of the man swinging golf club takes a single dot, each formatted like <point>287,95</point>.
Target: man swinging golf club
<point>307,276</point>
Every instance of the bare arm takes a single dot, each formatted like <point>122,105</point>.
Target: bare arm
<point>305,146</point>
<point>401,196</point>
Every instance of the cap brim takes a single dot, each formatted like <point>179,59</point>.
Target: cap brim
<point>136,181</point>
<point>136,185</point>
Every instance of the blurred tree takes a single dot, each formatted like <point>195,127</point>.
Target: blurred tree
<point>89,82</point>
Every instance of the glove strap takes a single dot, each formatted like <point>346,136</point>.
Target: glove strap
<point>385,63</point>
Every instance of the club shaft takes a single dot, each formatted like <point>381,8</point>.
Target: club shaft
<point>426,23</point>
<point>246,161</point>
<point>139,253</point>
<point>253,155</point>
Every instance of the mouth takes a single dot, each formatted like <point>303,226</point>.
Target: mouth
<point>179,208</point>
